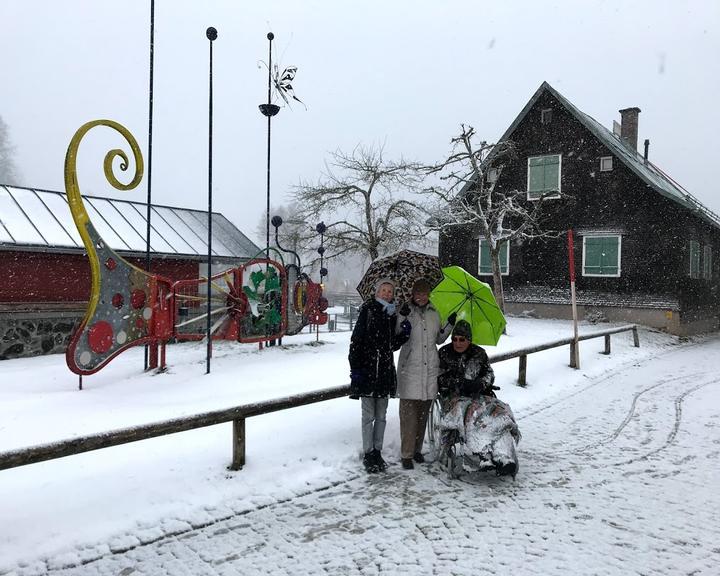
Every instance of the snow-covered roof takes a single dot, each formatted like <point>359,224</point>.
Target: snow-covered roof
<point>646,171</point>
<point>41,219</point>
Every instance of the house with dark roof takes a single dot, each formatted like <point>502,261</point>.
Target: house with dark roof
<point>645,249</point>
<point>45,274</point>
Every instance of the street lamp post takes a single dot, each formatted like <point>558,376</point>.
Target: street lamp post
<point>321,229</point>
<point>211,34</point>
<point>268,110</point>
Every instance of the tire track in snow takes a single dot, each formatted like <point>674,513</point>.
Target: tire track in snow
<point>687,378</point>
<point>620,369</point>
<point>676,424</point>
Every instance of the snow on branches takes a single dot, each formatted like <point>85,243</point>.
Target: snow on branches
<point>366,200</point>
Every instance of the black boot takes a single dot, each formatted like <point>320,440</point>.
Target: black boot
<point>381,464</point>
<point>407,463</point>
<point>370,463</point>
<point>419,458</point>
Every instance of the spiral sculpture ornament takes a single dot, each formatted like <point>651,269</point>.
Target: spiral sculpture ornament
<point>127,306</point>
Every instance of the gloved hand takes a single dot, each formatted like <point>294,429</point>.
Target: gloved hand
<point>406,328</point>
<point>404,310</point>
<point>357,377</point>
<point>452,318</point>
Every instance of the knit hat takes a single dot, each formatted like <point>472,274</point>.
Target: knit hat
<point>384,281</point>
<point>462,328</point>
<point>421,286</point>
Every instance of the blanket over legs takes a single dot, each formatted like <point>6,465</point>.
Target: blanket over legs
<point>488,429</point>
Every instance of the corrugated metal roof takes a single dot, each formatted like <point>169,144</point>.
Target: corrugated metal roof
<point>41,218</point>
<point>647,172</point>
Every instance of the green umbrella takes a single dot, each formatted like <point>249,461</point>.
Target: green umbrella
<point>473,301</point>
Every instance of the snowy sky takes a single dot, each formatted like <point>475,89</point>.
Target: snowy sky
<point>404,74</point>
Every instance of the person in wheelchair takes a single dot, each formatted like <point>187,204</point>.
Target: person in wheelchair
<point>476,426</point>
<point>464,367</point>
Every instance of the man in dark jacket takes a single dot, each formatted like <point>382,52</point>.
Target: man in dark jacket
<point>372,367</point>
<point>464,367</point>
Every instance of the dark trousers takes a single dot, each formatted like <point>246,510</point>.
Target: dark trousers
<point>413,419</point>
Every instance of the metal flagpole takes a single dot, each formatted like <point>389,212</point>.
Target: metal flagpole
<point>149,158</point>
<point>574,350</point>
<point>212,34</point>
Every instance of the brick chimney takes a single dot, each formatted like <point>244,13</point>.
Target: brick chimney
<point>629,127</point>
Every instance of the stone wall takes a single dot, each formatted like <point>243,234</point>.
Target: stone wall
<point>669,321</point>
<point>33,333</point>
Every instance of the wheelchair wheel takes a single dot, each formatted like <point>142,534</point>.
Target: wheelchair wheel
<point>433,434</point>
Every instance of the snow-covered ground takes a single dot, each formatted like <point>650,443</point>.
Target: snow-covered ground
<point>618,468</point>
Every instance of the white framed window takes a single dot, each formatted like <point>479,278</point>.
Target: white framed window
<point>606,164</point>
<point>601,255</point>
<point>492,175</point>
<point>546,116</point>
<point>485,263</point>
<point>707,262</point>
<point>544,176</point>
<point>694,254</point>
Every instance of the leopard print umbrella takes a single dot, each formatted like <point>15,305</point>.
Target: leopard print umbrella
<point>403,268</point>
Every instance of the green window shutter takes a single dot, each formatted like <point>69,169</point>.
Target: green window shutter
<point>602,255</point>
<point>552,173</point>
<point>593,258</point>
<point>485,263</point>
<point>707,262</point>
<point>610,256</point>
<point>537,180</point>
<point>694,259</point>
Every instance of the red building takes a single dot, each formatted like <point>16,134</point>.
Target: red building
<point>45,274</point>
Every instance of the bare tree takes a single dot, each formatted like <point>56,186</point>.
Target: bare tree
<point>9,173</point>
<point>366,203</point>
<point>468,194</point>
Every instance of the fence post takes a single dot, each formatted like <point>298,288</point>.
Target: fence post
<point>636,338</point>
<point>238,444</point>
<point>522,370</point>
<point>607,344</point>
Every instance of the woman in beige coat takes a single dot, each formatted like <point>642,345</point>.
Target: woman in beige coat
<point>417,371</point>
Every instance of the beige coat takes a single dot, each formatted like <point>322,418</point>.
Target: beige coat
<point>417,368</point>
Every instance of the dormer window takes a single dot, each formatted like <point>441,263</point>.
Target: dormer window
<point>606,164</point>
<point>545,116</point>
<point>492,175</point>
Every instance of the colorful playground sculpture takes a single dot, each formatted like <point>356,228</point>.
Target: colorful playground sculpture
<point>261,300</point>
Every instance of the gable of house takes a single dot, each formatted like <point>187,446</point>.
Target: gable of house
<point>643,168</point>
<point>642,241</point>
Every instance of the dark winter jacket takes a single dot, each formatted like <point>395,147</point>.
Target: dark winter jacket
<point>372,345</point>
<point>467,374</point>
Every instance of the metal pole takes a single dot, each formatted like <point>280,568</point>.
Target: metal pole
<point>574,350</point>
<point>270,37</point>
<point>211,33</point>
<point>268,110</point>
<point>149,158</point>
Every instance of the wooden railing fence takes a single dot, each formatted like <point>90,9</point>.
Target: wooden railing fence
<point>238,414</point>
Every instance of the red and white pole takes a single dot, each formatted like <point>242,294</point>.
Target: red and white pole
<point>574,350</point>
